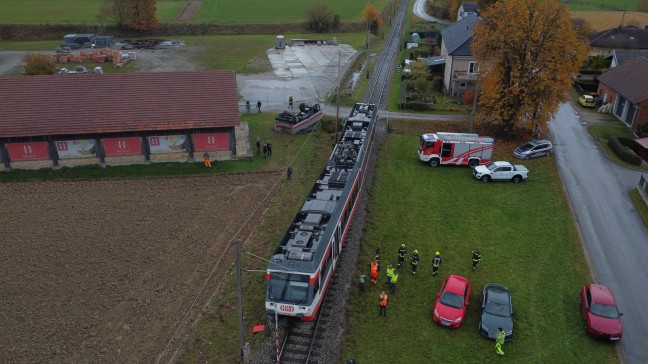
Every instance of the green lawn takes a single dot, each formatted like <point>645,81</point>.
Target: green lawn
<point>528,242</point>
<point>640,204</point>
<point>68,11</point>
<point>212,11</point>
<point>600,4</point>
<point>247,53</point>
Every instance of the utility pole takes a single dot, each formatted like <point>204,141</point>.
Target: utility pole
<point>245,347</point>
<point>624,11</point>
<point>474,107</point>
<point>337,113</point>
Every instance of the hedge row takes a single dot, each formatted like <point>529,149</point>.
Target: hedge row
<point>29,32</point>
<point>622,147</point>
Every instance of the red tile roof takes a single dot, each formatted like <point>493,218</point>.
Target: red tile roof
<point>629,79</point>
<point>85,104</point>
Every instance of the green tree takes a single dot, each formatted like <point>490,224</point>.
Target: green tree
<point>320,18</point>
<point>527,52</point>
<point>136,15</point>
<point>38,64</point>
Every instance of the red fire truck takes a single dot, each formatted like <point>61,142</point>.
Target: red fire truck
<point>459,149</point>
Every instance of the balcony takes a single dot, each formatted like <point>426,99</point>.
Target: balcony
<point>464,76</point>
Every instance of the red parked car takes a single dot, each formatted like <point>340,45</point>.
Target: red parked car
<point>452,301</point>
<point>602,318</point>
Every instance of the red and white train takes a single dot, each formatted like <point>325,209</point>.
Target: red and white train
<point>301,268</point>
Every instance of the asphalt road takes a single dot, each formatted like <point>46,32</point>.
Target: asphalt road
<point>613,235</point>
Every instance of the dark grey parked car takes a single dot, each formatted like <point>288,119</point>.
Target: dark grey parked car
<point>497,311</point>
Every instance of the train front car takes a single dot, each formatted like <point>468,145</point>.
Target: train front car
<point>303,263</point>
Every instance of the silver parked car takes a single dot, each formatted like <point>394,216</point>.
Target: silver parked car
<point>534,148</point>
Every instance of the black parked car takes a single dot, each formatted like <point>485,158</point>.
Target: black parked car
<point>497,311</point>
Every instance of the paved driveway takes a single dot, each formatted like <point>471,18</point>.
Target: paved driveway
<point>614,237</point>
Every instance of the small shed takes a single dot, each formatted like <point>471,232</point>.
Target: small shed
<point>642,148</point>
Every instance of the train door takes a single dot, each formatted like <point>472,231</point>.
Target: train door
<point>337,243</point>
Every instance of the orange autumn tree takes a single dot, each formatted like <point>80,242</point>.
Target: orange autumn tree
<point>372,16</point>
<point>137,15</point>
<point>527,52</point>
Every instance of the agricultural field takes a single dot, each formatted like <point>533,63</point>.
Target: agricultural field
<point>602,20</point>
<point>113,270</point>
<point>528,242</point>
<point>599,5</point>
<point>68,11</point>
<point>211,11</point>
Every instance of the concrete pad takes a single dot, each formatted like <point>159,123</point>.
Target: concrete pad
<point>306,72</point>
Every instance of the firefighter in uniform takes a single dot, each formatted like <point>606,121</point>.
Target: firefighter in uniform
<point>415,261</point>
<point>383,304</point>
<point>476,259</point>
<point>374,268</point>
<point>499,341</point>
<point>290,102</point>
<point>436,263</point>
<point>402,253</point>
<point>390,274</point>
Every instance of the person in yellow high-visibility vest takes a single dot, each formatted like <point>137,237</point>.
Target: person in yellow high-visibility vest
<point>390,273</point>
<point>392,284</point>
<point>499,341</point>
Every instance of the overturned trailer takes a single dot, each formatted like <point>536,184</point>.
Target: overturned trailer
<point>295,122</point>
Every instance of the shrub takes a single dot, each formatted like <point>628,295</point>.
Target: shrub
<point>39,64</point>
<point>620,147</point>
<point>415,105</point>
<point>320,18</point>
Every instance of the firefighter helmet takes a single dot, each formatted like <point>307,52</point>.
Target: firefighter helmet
<point>437,253</point>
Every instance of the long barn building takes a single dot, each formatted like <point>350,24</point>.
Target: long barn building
<point>61,120</point>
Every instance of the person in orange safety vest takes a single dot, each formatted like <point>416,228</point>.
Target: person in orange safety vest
<point>375,267</point>
<point>383,304</point>
<point>206,158</point>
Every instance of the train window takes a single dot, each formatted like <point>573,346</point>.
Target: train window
<point>316,287</point>
<point>288,288</point>
<point>324,267</point>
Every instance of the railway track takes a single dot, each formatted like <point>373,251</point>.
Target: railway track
<point>318,341</point>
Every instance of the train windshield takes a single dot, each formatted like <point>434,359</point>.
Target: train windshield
<point>288,288</point>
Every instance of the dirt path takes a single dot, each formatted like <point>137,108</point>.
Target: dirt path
<point>103,271</point>
<point>189,10</point>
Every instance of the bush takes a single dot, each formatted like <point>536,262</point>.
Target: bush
<point>320,18</point>
<point>39,64</point>
<point>621,147</point>
<point>415,105</point>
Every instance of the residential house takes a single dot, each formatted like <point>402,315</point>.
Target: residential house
<point>624,87</point>
<point>629,37</point>
<point>618,56</point>
<point>466,8</point>
<point>460,68</point>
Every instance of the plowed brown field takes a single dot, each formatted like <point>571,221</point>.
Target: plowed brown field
<point>103,271</point>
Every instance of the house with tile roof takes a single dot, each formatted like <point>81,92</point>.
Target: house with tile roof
<point>460,68</point>
<point>618,56</point>
<point>64,120</point>
<point>624,87</point>
<point>629,37</point>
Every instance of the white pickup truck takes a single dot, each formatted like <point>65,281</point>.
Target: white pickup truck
<point>501,171</point>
